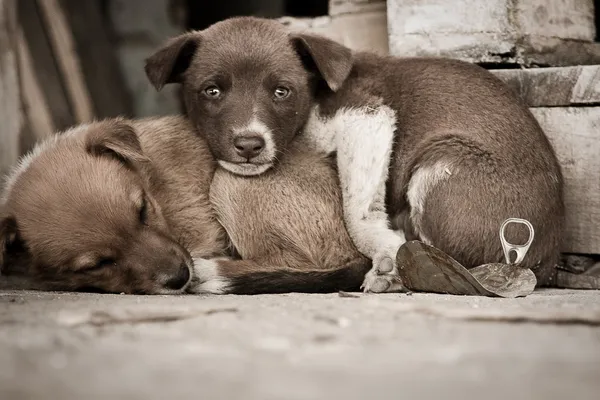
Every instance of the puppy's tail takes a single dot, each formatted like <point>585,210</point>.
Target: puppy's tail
<point>348,278</point>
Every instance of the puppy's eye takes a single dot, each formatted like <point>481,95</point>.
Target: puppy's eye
<point>212,92</point>
<point>281,92</point>
<point>143,212</point>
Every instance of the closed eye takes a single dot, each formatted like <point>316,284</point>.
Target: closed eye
<point>100,264</point>
<point>143,212</point>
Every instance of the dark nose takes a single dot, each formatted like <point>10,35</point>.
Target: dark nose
<point>181,279</point>
<point>249,146</point>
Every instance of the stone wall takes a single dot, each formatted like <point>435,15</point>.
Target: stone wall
<point>529,32</point>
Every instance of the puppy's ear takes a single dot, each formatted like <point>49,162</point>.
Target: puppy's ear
<point>6,225</point>
<point>169,63</point>
<point>332,60</point>
<point>118,139</point>
<point>9,248</point>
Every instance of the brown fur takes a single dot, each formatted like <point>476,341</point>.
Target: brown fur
<point>289,216</point>
<point>446,111</point>
<point>74,211</point>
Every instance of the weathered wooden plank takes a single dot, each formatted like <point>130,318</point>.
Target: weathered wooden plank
<point>360,31</point>
<point>562,86</point>
<point>566,19</point>
<point>45,68</point>
<point>10,102</point>
<point>548,32</point>
<point>578,272</point>
<point>337,7</point>
<point>67,59</point>
<point>575,135</point>
<point>35,108</point>
<point>569,280</point>
<point>98,58</point>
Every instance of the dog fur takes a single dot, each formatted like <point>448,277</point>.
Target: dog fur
<point>140,206</point>
<point>432,149</point>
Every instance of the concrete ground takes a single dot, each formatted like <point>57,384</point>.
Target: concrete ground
<point>86,346</point>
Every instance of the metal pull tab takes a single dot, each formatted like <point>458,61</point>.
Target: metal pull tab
<point>519,249</point>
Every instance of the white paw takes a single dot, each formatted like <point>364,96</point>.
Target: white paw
<point>206,278</point>
<point>383,277</point>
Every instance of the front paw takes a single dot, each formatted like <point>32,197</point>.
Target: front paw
<point>383,277</point>
<point>206,277</point>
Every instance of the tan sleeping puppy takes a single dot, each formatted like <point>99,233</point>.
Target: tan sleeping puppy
<point>128,206</point>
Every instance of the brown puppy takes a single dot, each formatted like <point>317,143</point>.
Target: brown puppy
<point>463,153</point>
<point>127,206</point>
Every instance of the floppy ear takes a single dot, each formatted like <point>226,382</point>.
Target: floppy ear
<point>172,60</point>
<point>118,139</point>
<point>5,229</point>
<point>332,60</point>
<point>8,235</point>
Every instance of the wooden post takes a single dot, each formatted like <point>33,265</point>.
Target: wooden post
<point>67,59</point>
<point>10,103</point>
